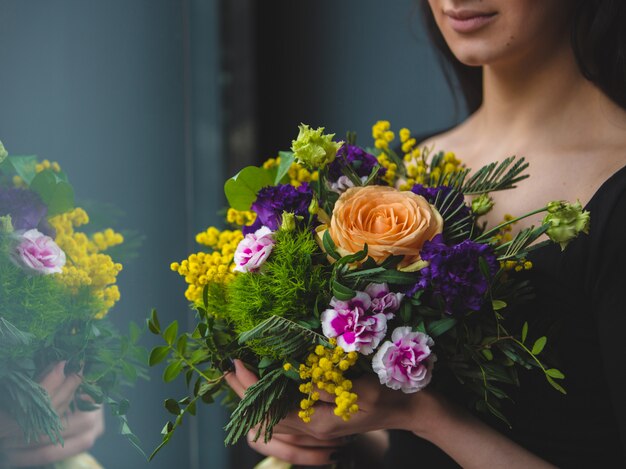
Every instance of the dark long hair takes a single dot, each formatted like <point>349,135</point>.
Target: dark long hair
<point>598,38</point>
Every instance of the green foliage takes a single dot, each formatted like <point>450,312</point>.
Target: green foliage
<point>282,338</point>
<point>288,285</point>
<point>265,404</point>
<point>54,190</point>
<point>286,159</point>
<point>448,208</point>
<point>30,405</point>
<point>22,166</point>
<point>200,356</point>
<point>241,189</point>
<point>493,177</point>
<point>38,303</point>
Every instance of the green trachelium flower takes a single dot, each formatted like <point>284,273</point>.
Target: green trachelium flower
<point>3,152</point>
<point>482,205</point>
<point>566,221</point>
<point>289,221</point>
<point>314,149</point>
<point>6,226</point>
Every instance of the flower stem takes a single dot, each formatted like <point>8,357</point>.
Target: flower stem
<point>485,236</point>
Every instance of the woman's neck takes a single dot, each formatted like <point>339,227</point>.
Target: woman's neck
<point>540,97</point>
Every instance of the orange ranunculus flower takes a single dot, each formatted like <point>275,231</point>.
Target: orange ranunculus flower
<point>389,221</point>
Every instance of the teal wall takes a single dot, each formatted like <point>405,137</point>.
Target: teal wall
<point>126,95</point>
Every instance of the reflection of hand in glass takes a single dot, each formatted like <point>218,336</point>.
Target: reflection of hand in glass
<point>81,429</point>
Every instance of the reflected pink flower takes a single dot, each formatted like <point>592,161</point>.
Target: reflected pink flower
<point>39,253</point>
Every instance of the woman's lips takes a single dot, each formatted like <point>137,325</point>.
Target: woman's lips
<point>465,21</point>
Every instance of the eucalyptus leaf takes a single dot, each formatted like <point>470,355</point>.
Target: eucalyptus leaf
<point>286,159</point>
<point>171,332</point>
<point>58,195</point>
<point>172,371</point>
<point>241,190</point>
<point>556,385</point>
<point>172,406</point>
<point>540,343</point>
<point>436,328</point>
<point>342,292</point>
<point>554,373</point>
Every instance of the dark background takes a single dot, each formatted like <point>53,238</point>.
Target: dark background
<point>151,104</point>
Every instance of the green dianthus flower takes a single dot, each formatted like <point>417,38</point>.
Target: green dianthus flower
<point>314,149</point>
<point>566,221</point>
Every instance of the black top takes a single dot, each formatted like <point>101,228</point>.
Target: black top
<point>581,299</point>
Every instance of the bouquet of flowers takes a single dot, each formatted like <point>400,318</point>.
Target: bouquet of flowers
<point>342,261</point>
<point>57,284</point>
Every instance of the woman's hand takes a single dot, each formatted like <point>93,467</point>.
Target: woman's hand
<point>467,440</point>
<point>81,429</point>
<point>319,441</point>
<point>293,447</point>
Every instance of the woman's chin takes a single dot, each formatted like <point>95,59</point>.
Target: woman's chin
<point>474,56</point>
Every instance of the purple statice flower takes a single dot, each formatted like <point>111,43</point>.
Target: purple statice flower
<point>272,201</point>
<point>453,274</point>
<point>350,323</point>
<point>383,300</point>
<point>26,209</point>
<point>361,162</point>
<point>458,206</point>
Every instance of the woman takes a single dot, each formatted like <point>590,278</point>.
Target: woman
<point>549,83</point>
<point>81,429</point>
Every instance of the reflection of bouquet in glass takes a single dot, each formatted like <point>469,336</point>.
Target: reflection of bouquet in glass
<point>345,261</point>
<point>57,284</point>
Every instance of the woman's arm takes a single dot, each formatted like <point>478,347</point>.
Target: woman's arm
<point>466,439</point>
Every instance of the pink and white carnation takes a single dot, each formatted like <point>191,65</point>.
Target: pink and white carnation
<point>343,183</point>
<point>406,362</point>
<point>39,253</point>
<point>354,329</point>
<point>383,300</point>
<point>253,250</point>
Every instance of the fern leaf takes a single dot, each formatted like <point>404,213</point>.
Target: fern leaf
<point>283,336</point>
<point>449,206</point>
<point>265,404</point>
<point>521,243</point>
<point>31,407</point>
<point>496,177</point>
<point>12,336</point>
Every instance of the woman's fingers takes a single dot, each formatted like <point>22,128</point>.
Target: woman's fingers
<point>241,379</point>
<point>308,441</point>
<point>234,383</point>
<point>245,376</point>
<point>60,388</point>
<point>54,378</point>
<point>74,424</point>
<point>89,426</point>
<point>79,422</point>
<point>64,394</point>
<point>293,453</point>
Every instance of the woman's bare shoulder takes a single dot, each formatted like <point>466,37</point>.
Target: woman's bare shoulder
<point>456,139</point>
